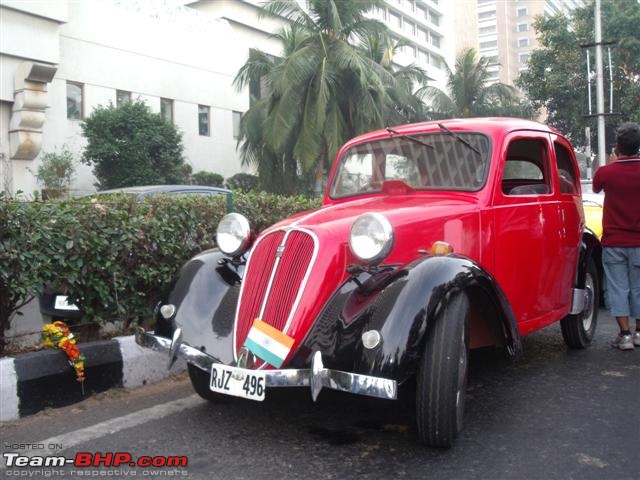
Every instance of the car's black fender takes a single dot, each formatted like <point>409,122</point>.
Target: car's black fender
<point>402,310</point>
<point>590,249</point>
<point>205,295</point>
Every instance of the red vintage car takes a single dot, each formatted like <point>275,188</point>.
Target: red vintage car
<point>433,239</point>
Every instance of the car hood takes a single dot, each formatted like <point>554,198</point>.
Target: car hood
<point>418,220</point>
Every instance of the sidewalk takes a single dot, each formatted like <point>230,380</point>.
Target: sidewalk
<point>34,381</point>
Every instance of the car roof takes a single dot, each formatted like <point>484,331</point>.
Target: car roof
<point>167,189</point>
<point>493,125</point>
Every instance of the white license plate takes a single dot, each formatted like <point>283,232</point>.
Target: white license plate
<point>62,303</point>
<point>238,382</point>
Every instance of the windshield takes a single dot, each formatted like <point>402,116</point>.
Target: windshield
<point>449,165</point>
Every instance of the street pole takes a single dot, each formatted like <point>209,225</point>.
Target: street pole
<point>601,159</point>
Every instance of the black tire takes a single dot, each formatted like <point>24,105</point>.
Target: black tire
<point>201,381</point>
<point>578,330</point>
<point>442,376</point>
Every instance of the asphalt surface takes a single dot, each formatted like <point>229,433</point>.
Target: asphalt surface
<point>554,414</point>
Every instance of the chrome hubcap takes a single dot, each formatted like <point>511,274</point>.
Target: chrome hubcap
<point>587,315</point>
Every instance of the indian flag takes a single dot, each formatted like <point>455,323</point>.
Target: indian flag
<point>268,343</point>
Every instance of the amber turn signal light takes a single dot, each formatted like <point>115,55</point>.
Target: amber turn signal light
<point>441,248</point>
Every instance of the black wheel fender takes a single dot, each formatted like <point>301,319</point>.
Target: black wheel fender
<point>408,308</point>
<point>205,295</point>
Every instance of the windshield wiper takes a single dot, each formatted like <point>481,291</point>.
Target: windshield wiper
<point>459,138</point>
<point>408,137</point>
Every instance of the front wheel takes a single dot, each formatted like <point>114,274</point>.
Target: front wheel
<point>201,381</point>
<point>578,330</point>
<point>442,376</point>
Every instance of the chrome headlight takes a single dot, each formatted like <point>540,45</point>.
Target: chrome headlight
<point>371,237</point>
<point>233,234</point>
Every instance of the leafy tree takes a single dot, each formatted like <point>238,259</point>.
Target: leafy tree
<point>471,95</point>
<point>55,172</point>
<point>556,77</point>
<point>130,145</point>
<point>243,181</point>
<point>207,178</point>
<point>325,89</point>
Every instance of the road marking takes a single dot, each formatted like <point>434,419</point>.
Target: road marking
<point>114,425</point>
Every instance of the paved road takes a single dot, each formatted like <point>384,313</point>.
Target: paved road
<point>555,414</point>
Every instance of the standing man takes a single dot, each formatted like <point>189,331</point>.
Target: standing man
<point>620,180</point>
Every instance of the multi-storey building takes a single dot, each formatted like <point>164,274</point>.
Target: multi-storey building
<point>423,26</point>
<point>506,34</point>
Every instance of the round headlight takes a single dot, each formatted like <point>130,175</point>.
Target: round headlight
<point>371,237</point>
<point>233,234</point>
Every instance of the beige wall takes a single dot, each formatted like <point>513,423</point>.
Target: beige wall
<point>465,25</point>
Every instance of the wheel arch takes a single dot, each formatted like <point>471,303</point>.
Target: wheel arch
<point>410,306</point>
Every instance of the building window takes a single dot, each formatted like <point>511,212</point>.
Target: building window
<point>409,27</point>
<point>237,116</point>
<point>492,60</point>
<point>203,120</point>
<point>486,30</point>
<point>435,40</point>
<point>75,100</point>
<point>435,61</point>
<point>522,12</point>
<point>166,109</point>
<point>486,15</point>
<point>423,56</point>
<point>395,20</point>
<point>423,35</point>
<point>422,12</point>
<point>523,57</point>
<point>490,44</point>
<point>523,27</point>
<point>492,75</point>
<point>122,97</point>
<point>523,42</point>
<point>435,19</point>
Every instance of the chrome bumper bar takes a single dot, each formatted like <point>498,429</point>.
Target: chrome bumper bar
<point>317,377</point>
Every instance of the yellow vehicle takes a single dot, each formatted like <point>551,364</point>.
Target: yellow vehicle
<point>593,216</point>
<point>592,204</point>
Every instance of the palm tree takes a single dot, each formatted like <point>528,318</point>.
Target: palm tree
<point>471,95</point>
<point>405,106</point>
<point>324,90</point>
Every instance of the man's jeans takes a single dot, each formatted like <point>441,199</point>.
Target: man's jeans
<point>622,280</point>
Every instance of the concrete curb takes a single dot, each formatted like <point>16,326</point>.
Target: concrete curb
<point>34,381</point>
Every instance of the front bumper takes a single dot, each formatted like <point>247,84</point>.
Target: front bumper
<point>317,377</point>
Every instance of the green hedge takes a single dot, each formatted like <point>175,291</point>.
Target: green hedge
<point>115,257</point>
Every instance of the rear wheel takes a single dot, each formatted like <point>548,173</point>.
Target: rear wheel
<point>442,376</point>
<point>578,330</point>
<point>201,381</point>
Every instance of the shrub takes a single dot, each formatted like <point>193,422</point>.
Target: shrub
<point>56,172</point>
<point>114,257</point>
<point>207,178</point>
<point>130,145</point>
<point>243,181</point>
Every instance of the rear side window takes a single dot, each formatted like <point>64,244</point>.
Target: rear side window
<point>566,172</point>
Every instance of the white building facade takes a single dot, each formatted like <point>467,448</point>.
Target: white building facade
<point>60,59</point>
<point>178,60</point>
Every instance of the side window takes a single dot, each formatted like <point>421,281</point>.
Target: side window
<point>566,170</point>
<point>526,170</point>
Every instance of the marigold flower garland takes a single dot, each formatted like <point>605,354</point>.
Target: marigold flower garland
<point>57,334</point>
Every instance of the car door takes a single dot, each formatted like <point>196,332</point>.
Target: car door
<point>526,221</point>
<point>571,219</point>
